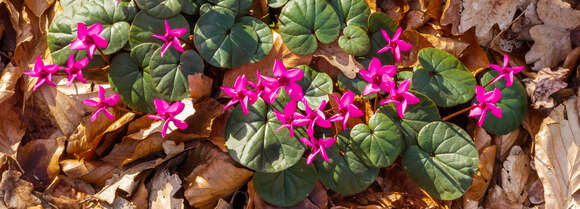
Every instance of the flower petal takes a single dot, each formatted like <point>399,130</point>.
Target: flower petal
<point>179,124</point>
<point>279,68</point>
<point>160,105</point>
<point>294,75</point>
<point>90,102</point>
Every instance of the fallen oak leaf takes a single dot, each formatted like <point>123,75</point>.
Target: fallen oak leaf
<point>556,156</point>
<point>338,58</point>
<point>15,192</point>
<point>163,187</point>
<point>514,175</point>
<point>551,45</point>
<point>451,15</point>
<point>558,13</point>
<point>546,83</point>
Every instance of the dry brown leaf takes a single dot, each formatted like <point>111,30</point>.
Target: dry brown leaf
<point>67,192</point>
<point>396,9</point>
<point>496,199</point>
<point>453,46</point>
<point>222,204</point>
<point>536,192</point>
<point>551,45</point>
<point>39,160</point>
<point>84,141</point>
<point>451,15</point>
<point>409,58</point>
<point>505,143</point>
<point>484,14</point>
<point>481,139</point>
<point>473,57</point>
<point>557,156</point>
<point>531,122</point>
<point>546,83</point>
<point>218,130</point>
<point>482,179</point>
<point>130,150</point>
<point>163,188</point>
<point>199,86</point>
<point>558,13</point>
<point>94,172</point>
<point>514,175</point>
<point>201,122</point>
<point>521,26</point>
<point>214,177</point>
<point>146,127</point>
<point>338,58</point>
<point>38,6</point>
<point>279,51</point>
<point>372,5</point>
<point>11,127</point>
<point>15,192</point>
<point>317,199</point>
<point>141,196</point>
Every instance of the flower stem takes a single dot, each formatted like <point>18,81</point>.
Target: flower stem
<point>103,56</point>
<point>487,84</point>
<point>457,113</point>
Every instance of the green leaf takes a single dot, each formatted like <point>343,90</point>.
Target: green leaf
<point>444,78</point>
<point>315,85</point>
<point>352,12</point>
<point>379,20</point>
<point>380,141</point>
<point>356,85</point>
<point>513,104</point>
<point>252,141</point>
<point>134,85</point>
<point>355,41</point>
<point>143,53</point>
<point>205,8</point>
<point>239,7</point>
<point>114,16</point>
<point>169,73</point>
<point>416,116</point>
<point>145,25</point>
<point>305,22</point>
<point>265,38</point>
<point>160,8</point>
<point>346,173</point>
<point>190,7</point>
<point>288,187</point>
<point>277,3</point>
<point>222,42</point>
<point>443,162</point>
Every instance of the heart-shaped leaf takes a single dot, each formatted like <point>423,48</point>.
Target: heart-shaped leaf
<point>355,41</point>
<point>513,104</point>
<point>265,38</point>
<point>143,53</point>
<point>305,22</point>
<point>160,8</point>
<point>288,187</point>
<point>379,20</point>
<point>114,16</point>
<point>380,141</point>
<point>443,162</point>
<point>277,3</point>
<point>444,78</point>
<point>190,7</point>
<point>316,86</point>
<point>416,116</point>
<point>356,85</point>
<point>169,73</point>
<point>352,12</point>
<point>145,25</point>
<point>346,173</point>
<point>222,42</point>
<point>252,141</point>
<point>239,7</point>
<point>133,84</point>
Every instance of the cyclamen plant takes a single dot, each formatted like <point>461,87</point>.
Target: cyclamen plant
<point>292,126</point>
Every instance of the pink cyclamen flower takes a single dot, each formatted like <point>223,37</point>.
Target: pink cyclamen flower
<point>505,72</point>
<point>319,146</point>
<point>289,118</point>
<point>171,38</point>
<point>240,94</point>
<point>401,97</point>
<point>314,117</point>
<point>89,38</point>
<point>284,78</point>
<point>487,102</point>
<point>346,109</point>
<point>378,76</point>
<point>43,72</point>
<point>167,113</point>
<point>74,69</point>
<point>261,90</point>
<point>102,104</point>
<point>394,44</point>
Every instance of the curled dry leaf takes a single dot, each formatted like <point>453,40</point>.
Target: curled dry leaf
<point>479,14</point>
<point>557,156</point>
<point>395,9</point>
<point>451,15</point>
<point>38,6</point>
<point>163,187</point>
<point>551,45</point>
<point>473,57</point>
<point>16,192</point>
<point>546,83</point>
<point>215,176</point>
<point>218,130</point>
<point>94,172</point>
<point>514,175</point>
<point>536,192</point>
<point>496,199</point>
<point>505,143</point>
<point>129,150</point>
<point>409,58</point>
<point>338,58</point>
<point>39,160</point>
<point>199,86</point>
<point>11,127</point>
<point>279,51</point>
<point>201,122</point>
<point>453,46</point>
<point>482,179</point>
<point>558,13</point>
<point>317,199</point>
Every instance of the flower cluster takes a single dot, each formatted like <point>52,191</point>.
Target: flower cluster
<point>487,100</point>
<point>267,88</point>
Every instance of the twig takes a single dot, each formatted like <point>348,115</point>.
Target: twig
<point>456,113</point>
<point>103,56</point>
